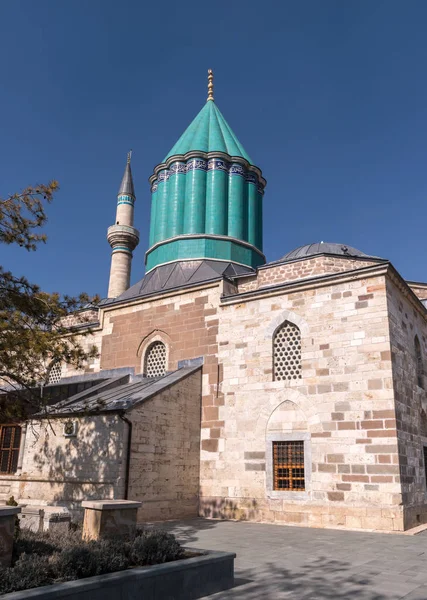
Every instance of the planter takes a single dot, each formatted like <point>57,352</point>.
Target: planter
<point>7,528</point>
<point>185,579</point>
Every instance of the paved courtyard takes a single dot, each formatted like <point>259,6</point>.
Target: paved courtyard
<point>276,562</point>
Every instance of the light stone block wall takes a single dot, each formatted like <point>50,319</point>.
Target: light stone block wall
<point>165,452</point>
<point>345,396</point>
<point>66,470</point>
<point>93,366</point>
<point>301,269</point>
<point>408,319</point>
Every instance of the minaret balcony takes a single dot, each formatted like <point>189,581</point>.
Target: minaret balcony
<point>123,236</point>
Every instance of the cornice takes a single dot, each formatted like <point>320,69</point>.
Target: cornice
<point>206,156</point>
<point>384,268</point>
<point>306,284</point>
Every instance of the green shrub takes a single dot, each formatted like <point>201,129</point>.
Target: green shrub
<point>29,542</point>
<point>111,555</point>
<point>155,547</point>
<point>29,571</point>
<point>43,558</point>
<point>76,563</point>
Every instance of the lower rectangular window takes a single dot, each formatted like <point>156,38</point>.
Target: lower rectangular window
<point>288,466</point>
<point>10,439</point>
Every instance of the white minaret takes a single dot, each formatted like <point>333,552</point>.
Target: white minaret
<point>122,237</point>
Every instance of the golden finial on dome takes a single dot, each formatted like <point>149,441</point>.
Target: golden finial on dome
<point>210,85</point>
<point>129,156</point>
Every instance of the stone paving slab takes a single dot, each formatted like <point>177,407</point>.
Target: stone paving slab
<point>276,562</point>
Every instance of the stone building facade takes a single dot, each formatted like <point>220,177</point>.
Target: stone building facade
<point>290,392</point>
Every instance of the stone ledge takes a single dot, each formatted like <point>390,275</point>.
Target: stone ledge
<point>185,579</point>
<point>110,504</point>
<point>5,511</point>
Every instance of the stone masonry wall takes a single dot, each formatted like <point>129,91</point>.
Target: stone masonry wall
<point>411,401</point>
<point>165,452</point>
<point>188,325</point>
<point>66,470</point>
<point>344,403</point>
<point>300,269</point>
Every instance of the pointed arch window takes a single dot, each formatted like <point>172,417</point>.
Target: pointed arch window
<point>287,352</point>
<point>419,362</point>
<point>55,373</point>
<point>155,360</point>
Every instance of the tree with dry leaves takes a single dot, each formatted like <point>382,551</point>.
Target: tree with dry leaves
<point>35,329</point>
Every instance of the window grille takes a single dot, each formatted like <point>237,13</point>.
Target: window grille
<point>288,466</point>
<point>155,360</point>
<point>419,361</point>
<point>10,439</point>
<point>425,462</point>
<point>287,352</point>
<point>55,373</point>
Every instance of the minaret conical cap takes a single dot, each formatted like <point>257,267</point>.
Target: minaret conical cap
<point>126,187</point>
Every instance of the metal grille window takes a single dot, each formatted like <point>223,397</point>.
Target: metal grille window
<point>155,360</point>
<point>287,352</point>
<point>288,466</point>
<point>10,439</point>
<point>55,373</point>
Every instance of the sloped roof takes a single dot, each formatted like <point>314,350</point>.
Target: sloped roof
<point>118,394</point>
<point>180,274</point>
<point>209,132</point>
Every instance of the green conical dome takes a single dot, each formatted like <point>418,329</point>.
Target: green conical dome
<point>206,197</point>
<point>209,132</point>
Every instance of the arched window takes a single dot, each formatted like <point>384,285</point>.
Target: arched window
<point>55,373</point>
<point>155,360</point>
<point>287,352</point>
<point>418,361</point>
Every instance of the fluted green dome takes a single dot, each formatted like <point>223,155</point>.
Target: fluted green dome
<point>206,197</point>
<point>209,132</point>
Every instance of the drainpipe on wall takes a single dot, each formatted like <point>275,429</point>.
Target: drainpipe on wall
<point>128,450</point>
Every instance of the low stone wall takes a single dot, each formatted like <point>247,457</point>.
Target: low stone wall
<point>186,579</point>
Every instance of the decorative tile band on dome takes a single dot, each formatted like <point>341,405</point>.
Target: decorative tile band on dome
<point>229,167</point>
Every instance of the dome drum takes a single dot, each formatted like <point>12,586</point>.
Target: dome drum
<point>199,193</point>
<point>196,247</point>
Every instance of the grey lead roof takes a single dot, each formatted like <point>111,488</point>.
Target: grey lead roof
<point>118,394</point>
<point>126,187</point>
<point>324,248</point>
<point>180,274</point>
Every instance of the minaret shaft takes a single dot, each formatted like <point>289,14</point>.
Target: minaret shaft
<point>122,237</point>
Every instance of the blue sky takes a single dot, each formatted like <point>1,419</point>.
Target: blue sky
<point>328,97</point>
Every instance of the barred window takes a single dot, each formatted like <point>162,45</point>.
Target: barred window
<point>287,352</point>
<point>288,466</point>
<point>55,373</point>
<point>155,360</point>
<point>10,439</point>
<point>419,361</point>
